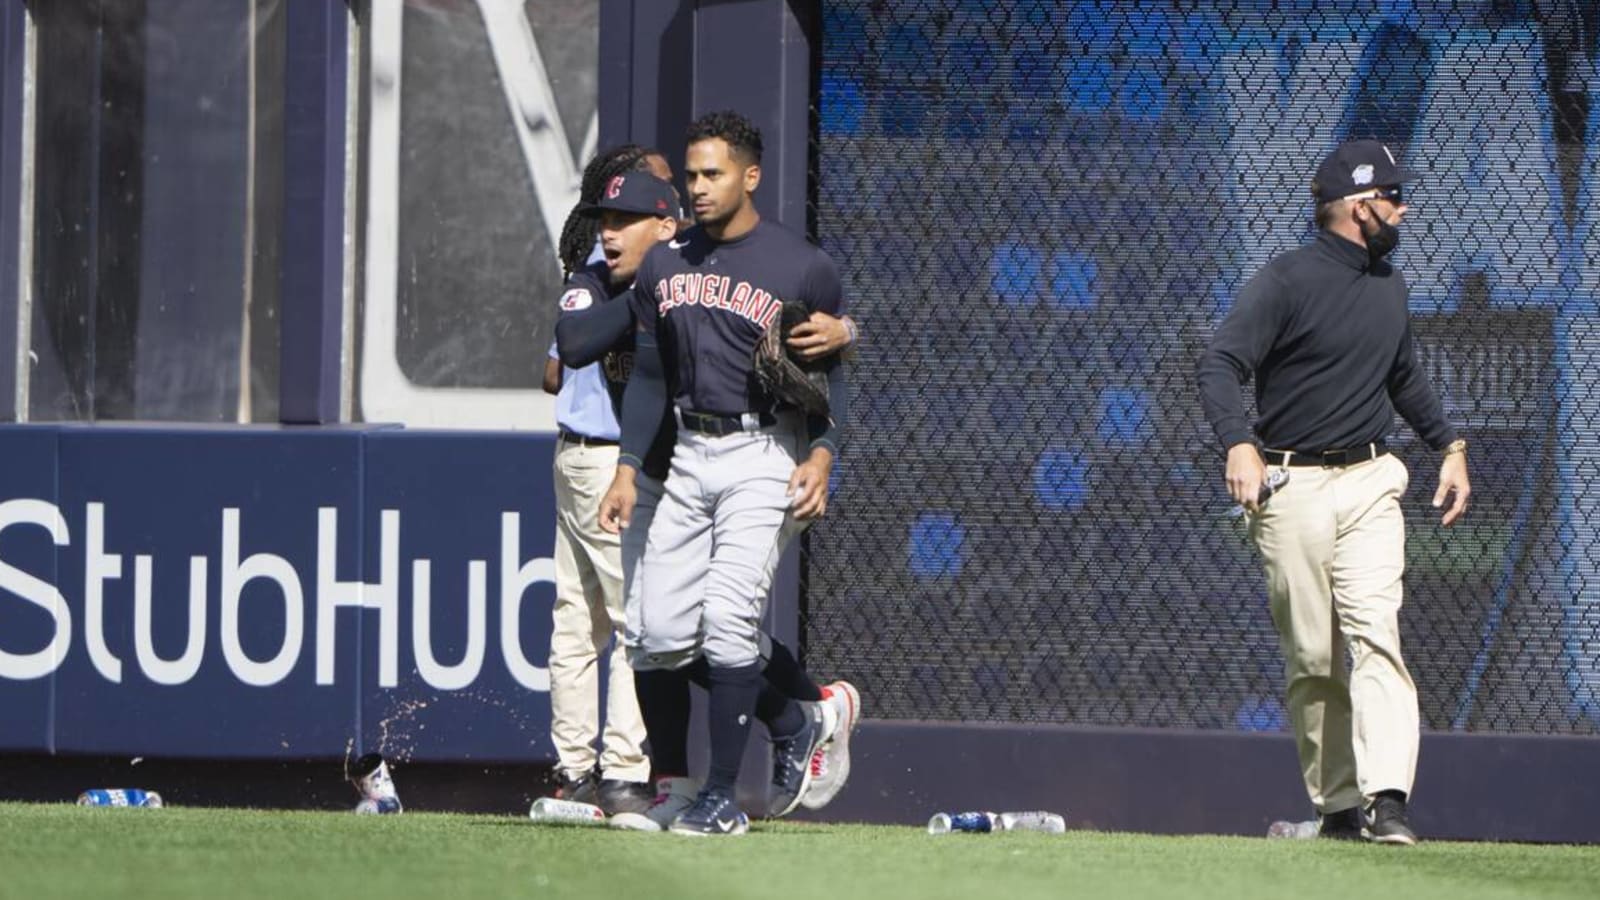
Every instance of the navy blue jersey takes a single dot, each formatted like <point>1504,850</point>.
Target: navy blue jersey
<point>709,302</point>
<point>596,321</point>
<point>586,289</point>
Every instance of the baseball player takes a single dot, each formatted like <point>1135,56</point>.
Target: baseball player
<point>748,469</point>
<point>599,327</point>
<point>587,615</point>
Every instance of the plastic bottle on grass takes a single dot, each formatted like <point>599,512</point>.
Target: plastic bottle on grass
<point>1033,820</point>
<point>1293,830</point>
<point>551,811</point>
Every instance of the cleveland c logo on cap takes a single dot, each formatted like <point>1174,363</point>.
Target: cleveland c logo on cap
<point>614,188</point>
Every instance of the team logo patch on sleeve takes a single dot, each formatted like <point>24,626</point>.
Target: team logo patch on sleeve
<point>576,299</point>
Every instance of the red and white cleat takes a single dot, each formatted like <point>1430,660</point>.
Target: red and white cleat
<point>830,765</point>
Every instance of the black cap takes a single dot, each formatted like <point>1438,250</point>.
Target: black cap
<point>1357,166</point>
<point>637,192</point>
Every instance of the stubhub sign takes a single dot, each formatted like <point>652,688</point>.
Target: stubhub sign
<point>275,592</point>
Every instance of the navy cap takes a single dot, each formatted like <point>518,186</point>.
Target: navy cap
<point>637,192</point>
<point>1357,166</point>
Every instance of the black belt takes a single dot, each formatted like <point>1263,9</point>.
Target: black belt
<point>1326,458</point>
<point>581,440</point>
<point>718,426</point>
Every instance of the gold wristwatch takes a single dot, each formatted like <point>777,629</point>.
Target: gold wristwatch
<point>1459,445</point>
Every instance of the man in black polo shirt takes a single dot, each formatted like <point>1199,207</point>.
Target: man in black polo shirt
<point>1325,331</point>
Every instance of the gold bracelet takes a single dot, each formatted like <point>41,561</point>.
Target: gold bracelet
<point>1459,445</point>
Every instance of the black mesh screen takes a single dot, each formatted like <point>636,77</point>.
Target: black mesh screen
<point>1042,210</point>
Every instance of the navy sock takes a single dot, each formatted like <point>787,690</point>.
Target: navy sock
<point>733,705</point>
<point>664,706</point>
<point>783,716</point>
<point>785,674</point>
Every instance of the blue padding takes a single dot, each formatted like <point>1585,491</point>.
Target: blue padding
<point>1026,130</point>
<point>1016,273</point>
<point>937,546</point>
<point>843,30</point>
<point>1092,23</point>
<point>970,62</point>
<point>28,484</point>
<point>904,47</point>
<point>1200,44</point>
<point>841,105</point>
<point>1072,280</point>
<point>1124,415</point>
<point>306,549</point>
<point>1088,88</point>
<point>1034,71</point>
<point>1145,32</point>
<point>173,494</point>
<point>901,112</point>
<point>1261,714</point>
<point>465,496</point>
<point>1061,479</point>
<point>1143,96</point>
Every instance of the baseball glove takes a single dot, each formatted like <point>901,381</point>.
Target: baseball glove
<point>781,375</point>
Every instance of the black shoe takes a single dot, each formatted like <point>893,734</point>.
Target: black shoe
<point>581,790</point>
<point>1344,825</point>
<point>1389,825</point>
<point>791,758</point>
<point>712,814</point>
<point>617,796</point>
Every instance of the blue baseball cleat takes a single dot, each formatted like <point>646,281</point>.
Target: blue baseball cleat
<point>712,814</point>
<point>791,758</point>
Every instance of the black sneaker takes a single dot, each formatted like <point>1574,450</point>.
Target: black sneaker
<point>617,796</point>
<point>791,758</point>
<point>1389,825</point>
<point>712,814</point>
<point>581,790</point>
<point>1344,825</point>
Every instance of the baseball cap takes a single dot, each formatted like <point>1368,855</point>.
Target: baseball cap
<point>637,192</point>
<point>1356,166</point>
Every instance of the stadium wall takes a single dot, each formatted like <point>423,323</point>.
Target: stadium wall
<point>965,714</point>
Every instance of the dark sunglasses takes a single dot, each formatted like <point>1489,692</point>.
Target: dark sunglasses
<point>1392,194</point>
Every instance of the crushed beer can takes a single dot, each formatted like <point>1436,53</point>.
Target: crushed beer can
<point>372,781</point>
<point>967,822</point>
<point>120,797</point>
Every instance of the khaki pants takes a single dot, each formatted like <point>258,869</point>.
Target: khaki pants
<point>1333,541</point>
<point>588,620</point>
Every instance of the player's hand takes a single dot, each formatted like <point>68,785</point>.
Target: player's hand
<point>1453,480</point>
<point>808,486</point>
<point>616,507</point>
<point>818,336</point>
<point>1245,474</point>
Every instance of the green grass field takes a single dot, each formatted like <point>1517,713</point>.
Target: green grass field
<point>68,851</point>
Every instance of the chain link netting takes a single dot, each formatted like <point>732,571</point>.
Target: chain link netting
<point>1041,211</point>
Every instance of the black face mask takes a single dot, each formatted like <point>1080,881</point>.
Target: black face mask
<point>1382,242</point>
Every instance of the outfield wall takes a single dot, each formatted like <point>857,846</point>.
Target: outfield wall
<point>1036,614</point>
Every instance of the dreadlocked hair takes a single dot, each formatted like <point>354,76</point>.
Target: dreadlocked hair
<point>578,233</point>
